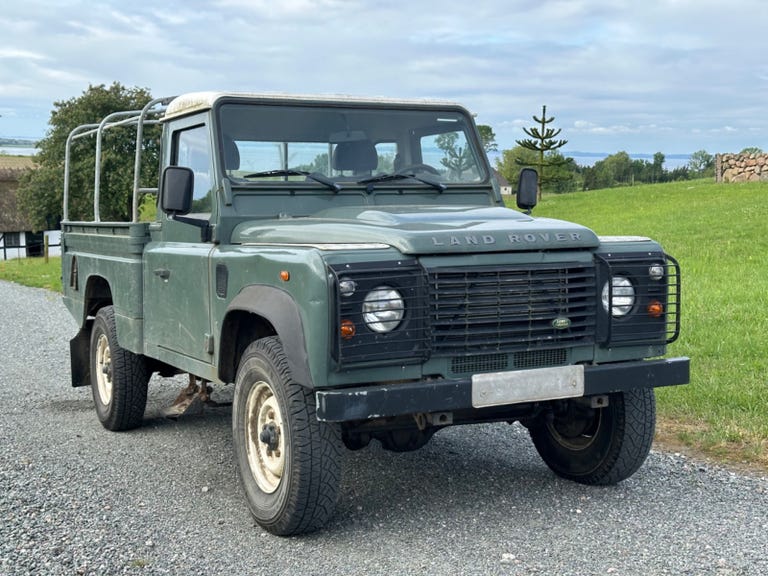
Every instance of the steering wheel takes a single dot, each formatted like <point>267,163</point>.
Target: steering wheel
<point>418,168</point>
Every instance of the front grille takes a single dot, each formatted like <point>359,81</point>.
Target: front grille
<point>481,363</point>
<point>540,358</point>
<point>500,361</point>
<point>480,310</point>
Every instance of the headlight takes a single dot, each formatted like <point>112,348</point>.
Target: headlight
<point>383,309</point>
<point>623,296</point>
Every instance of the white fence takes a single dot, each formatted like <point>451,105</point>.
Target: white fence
<point>26,244</point>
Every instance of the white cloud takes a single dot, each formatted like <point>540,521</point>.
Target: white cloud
<point>304,9</point>
<point>16,54</point>
<point>675,75</point>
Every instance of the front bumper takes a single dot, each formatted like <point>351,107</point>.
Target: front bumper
<point>380,401</point>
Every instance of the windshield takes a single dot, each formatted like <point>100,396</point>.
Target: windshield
<point>349,145</point>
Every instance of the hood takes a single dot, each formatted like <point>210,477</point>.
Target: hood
<point>421,230</point>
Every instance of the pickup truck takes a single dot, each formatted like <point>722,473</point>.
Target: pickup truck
<point>351,267</point>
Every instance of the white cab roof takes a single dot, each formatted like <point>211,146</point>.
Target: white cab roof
<point>199,101</point>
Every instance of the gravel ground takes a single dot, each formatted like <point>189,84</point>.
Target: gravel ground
<point>164,499</point>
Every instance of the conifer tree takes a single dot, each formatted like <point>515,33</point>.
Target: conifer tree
<point>542,139</point>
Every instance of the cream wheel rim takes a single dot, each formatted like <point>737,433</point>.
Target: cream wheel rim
<point>104,370</point>
<point>266,460</point>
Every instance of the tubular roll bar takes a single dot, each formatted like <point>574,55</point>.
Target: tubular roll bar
<point>147,116</point>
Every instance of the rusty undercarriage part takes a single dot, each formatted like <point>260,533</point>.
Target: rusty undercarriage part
<point>192,399</point>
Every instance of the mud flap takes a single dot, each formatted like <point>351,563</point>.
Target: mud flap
<point>80,356</point>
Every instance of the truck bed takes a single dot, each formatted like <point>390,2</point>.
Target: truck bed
<point>97,256</point>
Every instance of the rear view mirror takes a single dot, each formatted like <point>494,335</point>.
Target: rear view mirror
<point>527,189</point>
<point>176,190</point>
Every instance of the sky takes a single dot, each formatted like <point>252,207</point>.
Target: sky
<point>642,76</point>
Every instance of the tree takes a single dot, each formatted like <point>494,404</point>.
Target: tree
<point>565,174</point>
<point>679,173</point>
<point>642,171</point>
<point>751,150</point>
<point>488,138</point>
<point>41,190</point>
<point>701,164</point>
<point>615,169</point>
<point>542,140</point>
<point>658,167</point>
<point>320,164</point>
<point>457,159</point>
<point>510,162</point>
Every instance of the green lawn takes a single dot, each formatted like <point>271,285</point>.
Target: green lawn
<point>719,234</point>
<point>33,272</point>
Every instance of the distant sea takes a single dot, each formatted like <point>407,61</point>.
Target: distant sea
<point>671,161</point>
<point>17,150</point>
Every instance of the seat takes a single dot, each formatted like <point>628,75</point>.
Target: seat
<point>231,155</point>
<point>357,156</point>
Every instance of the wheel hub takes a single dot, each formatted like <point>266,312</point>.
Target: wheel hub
<point>265,438</point>
<point>270,436</point>
<point>576,430</point>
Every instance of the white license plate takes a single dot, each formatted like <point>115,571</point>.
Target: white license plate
<point>500,388</point>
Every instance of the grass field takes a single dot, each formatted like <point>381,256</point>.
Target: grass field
<point>33,272</point>
<point>718,233</point>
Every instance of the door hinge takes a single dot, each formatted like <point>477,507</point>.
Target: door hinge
<point>208,343</point>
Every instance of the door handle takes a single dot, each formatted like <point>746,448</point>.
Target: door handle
<point>164,273</point>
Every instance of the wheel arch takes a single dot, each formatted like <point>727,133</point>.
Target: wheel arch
<point>98,293</point>
<point>257,312</point>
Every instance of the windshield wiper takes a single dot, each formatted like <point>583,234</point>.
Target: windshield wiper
<point>311,175</point>
<point>400,176</point>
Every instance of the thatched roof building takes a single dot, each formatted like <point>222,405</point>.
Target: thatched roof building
<point>11,168</point>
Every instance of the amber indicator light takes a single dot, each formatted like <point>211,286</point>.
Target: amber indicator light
<point>655,309</point>
<point>285,275</point>
<point>347,329</point>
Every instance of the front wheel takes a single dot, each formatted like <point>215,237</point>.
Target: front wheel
<point>598,446</point>
<point>289,462</point>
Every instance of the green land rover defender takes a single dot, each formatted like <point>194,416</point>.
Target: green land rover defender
<point>350,265</point>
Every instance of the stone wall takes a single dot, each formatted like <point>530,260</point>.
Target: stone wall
<point>741,167</point>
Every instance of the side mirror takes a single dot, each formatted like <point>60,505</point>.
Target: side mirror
<point>527,189</point>
<point>176,189</point>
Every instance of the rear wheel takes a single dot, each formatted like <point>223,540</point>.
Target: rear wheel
<point>289,462</point>
<point>119,378</point>
<point>598,446</point>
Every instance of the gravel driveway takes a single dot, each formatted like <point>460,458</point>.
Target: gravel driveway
<point>165,499</point>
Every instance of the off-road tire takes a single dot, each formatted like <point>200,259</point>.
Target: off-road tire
<point>119,378</point>
<point>604,449</point>
<point>292,483</point>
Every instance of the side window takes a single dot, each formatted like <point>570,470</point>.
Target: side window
<point>192,148</point>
